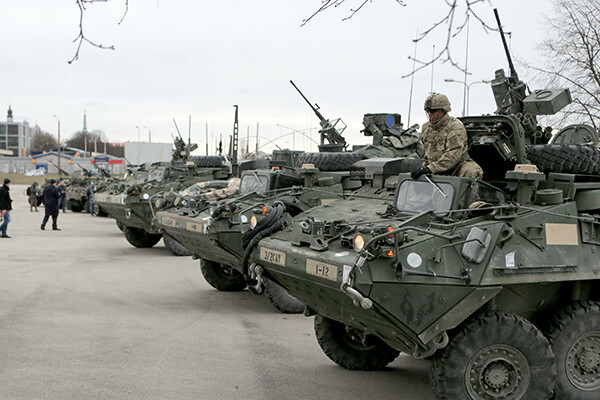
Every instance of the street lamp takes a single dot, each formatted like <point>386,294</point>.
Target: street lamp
<point>294,135</point>
<point>59,145</point>
<point>465,110</point>
<point>149,134</point>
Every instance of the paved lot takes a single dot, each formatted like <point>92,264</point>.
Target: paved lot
<point>84,315</point>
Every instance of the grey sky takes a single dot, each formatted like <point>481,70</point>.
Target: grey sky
<point>179,58</point>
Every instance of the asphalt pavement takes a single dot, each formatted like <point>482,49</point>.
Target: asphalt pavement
<point>85,315</point>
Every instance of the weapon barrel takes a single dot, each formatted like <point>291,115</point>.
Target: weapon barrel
<point>513,72</point>
<point>315,109</point>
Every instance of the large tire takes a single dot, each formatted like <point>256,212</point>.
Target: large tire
<point>74,207</point>
<point>208,161</point>
<point>140,238</point>
<point>99,212</point>
<point>350,347</point>
<point>221,277</point>
<point>329,161</point>
<point>281,299</point>
<point>575,339</point>
<point>565,158</point>
<point>495,356</point>
<point>175,247</point>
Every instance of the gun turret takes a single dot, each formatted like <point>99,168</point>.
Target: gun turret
<point>509,92</point>
<point>60,170</point>
<point>328,129</point>
<point>85,171</point>
<point>511,97</point>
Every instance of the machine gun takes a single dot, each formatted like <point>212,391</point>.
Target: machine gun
<point>511,97</point>
<point>60,170</point>
<point>86,172</point>
<point>328,129</point>
<point>182,151</point>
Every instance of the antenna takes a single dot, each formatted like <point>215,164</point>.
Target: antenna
<point>412,78</point>
<point>432,65</point>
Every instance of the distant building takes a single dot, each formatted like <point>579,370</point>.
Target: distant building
<point>15,136</point>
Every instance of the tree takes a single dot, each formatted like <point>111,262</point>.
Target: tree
<point>95,141</point>
<point>43,141</point>
<point>571,51</point>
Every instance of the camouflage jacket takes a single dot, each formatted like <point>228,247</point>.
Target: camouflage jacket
<point>445,145</point>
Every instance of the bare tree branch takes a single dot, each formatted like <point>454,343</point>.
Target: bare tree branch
<point>81,38</point>
<point>572,51</point>
<point>454,21</point>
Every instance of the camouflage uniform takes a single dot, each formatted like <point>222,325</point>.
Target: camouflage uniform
<point>446,149</point>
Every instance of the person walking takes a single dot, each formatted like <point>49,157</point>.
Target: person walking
<point>62,190</point>
<point>33,193</point>
<point>5,207</point>
<point>51,197</point>
<point>90,194</point>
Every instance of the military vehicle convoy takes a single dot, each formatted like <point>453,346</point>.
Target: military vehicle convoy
<point>498,281</point>
<point>217,233</point>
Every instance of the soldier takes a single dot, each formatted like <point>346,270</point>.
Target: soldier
<point>445,141</point>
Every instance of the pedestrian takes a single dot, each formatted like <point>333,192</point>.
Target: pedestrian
<point>33,192</point>
<point>51,197</point>
<point>90,194</point>
<point>62,190</point>
<point>446,143</point>
<point>5,207</point>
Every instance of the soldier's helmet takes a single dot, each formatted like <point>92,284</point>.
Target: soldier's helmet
<point>437,101</point>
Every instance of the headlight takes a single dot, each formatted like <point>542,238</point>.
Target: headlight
<point>145,196</point>
<point>358,242</point>
<point>244,219</point>
<point>253,222</point>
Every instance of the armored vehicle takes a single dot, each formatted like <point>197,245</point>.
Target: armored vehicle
<point>135,212</point>
<point>212,230</point>
<point>498,281</point>
<point>218,233</point>
<point>77,195</point>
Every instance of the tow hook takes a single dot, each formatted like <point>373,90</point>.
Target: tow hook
<point>256,272</point>
<point>358,299</point>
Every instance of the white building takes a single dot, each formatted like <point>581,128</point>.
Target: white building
<point>15,136</point>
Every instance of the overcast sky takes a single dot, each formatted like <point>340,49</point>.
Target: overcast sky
<point>179,58</point>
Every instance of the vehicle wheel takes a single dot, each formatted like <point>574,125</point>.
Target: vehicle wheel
<point>329,161</point>
<point>140,238</point>
<point>86,206</point>
<point>208,161</point>
<point>565,158</point>
<point>350,348</point>
<point>74,207</point>
<point>222,277</point>
<point>99,211</point>
<point>575,339</point>
<point>281,299</point>
<point>495,356</point>
<point>120,226</point>
<point>175,247</point>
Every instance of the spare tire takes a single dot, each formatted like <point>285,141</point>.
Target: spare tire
<point>208,161</point>
<point>565,158</point>
<point>329,161</point>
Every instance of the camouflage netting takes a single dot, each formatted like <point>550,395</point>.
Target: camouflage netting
<point>213,190</point>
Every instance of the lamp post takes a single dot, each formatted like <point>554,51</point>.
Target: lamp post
<point>149,134</point>
<point>465,109</point>
<point>59,145</point>
<point>294,135</point>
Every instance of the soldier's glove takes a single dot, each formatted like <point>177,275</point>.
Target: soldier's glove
<point>420,171</point>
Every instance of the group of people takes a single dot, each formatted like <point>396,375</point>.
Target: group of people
<point>53,197</point>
